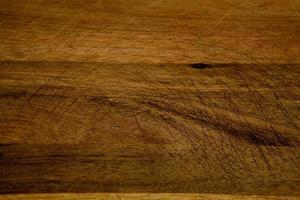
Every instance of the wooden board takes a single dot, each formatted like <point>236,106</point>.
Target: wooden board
<point>151,31</point>
<point>89,127</point>
<point>140,196</point>
<point>150,98</point>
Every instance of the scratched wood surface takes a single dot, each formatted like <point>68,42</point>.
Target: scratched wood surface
<point>68,127</point>
<point>160,31</point>
<point>140,196</point>
<point>132,96</point>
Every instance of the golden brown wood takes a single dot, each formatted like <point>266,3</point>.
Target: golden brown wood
<point>159,31</point>
<point>193,96</point>
<point>90,127</point>
<point>140,196</point>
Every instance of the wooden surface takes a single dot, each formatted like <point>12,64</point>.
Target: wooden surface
<point>151,31</point>
<point>193,97</point>
<point>68,127</point>
<point>140,196</point>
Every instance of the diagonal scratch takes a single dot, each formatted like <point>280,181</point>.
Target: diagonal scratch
<point>219,21</point>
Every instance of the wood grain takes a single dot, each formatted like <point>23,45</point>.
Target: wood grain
<point>92,127</point>
<point>140,196</point>
<point>160,99</point>
<point>156,31</point>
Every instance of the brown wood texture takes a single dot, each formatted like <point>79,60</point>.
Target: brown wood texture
<point>68,127</point>
<point>134,96</point>
<point>160,31</point>
<point>140,196</point>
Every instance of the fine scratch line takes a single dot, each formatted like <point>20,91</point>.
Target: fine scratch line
<point>219,21</point>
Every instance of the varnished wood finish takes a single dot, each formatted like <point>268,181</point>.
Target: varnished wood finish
<point>200,97</point>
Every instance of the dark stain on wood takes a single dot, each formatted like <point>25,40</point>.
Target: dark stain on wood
<point>200,65</point>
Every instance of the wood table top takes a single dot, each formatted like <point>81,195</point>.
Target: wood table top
<point>138,99</point>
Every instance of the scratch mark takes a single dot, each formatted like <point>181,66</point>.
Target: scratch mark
<point>219,21</point>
